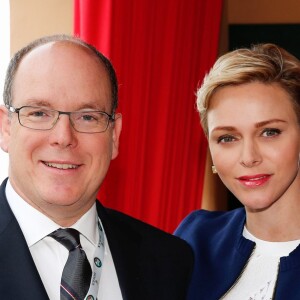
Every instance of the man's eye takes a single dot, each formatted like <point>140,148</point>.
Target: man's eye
<point>38,113</point>
<point>89,117</point>
<point>269,132</point>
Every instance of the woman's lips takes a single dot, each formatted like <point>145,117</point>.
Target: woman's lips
<point>254,180</point>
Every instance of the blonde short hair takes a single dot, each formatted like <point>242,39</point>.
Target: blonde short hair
<point>266,63</point>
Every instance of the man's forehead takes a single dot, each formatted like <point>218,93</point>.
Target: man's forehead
<point>59,56</point>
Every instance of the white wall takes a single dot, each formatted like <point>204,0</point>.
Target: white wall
<point>4,58</point>
<point>31,19</point>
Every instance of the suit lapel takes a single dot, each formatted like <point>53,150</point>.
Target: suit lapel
<point>124,246</point>
<point>19,278</point>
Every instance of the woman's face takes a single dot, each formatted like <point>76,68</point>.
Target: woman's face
<point>254,139</point>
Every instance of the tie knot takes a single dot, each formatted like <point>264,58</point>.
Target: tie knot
<point>68,237</point>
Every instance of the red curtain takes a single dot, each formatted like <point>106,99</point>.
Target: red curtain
<point>160,50</point>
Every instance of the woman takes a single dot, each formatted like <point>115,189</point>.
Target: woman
<point>249,105</point>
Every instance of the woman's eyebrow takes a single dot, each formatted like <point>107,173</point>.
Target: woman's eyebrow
<point>225,128</point>
<point>267,122</point>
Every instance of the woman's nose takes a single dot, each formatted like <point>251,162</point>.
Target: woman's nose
<point>250,154</point>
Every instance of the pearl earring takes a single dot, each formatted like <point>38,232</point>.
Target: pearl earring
<point>214,169</point>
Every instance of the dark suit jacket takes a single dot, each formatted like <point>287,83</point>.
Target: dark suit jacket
<point>150,264</point>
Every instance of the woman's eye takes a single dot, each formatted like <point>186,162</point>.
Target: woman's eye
<point>226,139</point>
<point>269,132</point>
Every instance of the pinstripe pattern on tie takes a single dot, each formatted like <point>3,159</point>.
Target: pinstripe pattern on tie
<point>76,277</point>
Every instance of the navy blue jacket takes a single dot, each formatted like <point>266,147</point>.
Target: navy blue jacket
<point>150,264</point>
<point>221,252</point>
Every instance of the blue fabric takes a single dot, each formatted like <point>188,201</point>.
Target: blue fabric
<point>221,252</point>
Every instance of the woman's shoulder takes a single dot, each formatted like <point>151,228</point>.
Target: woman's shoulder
<point>206,222</point>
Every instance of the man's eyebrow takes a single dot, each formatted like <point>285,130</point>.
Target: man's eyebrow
<point>38,102</point>
<point>91,106</point>
<point>44,103</point>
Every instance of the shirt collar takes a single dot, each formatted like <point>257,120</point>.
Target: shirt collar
<point>35,225</point>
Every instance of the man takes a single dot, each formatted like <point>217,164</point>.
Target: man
<point>61,131</point>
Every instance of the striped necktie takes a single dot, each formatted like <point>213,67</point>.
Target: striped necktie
<point>76,277</point>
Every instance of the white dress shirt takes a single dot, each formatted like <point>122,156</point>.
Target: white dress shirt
<point>50,256</point>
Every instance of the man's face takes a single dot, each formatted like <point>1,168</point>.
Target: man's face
<point>59,171</point>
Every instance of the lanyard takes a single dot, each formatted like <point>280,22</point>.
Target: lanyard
<point>97,266</point>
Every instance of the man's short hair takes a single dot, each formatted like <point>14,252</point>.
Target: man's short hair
<point>18,56</point>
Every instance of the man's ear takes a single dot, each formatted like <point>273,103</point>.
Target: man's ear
<point>4,128</point>
<point>117,127</point>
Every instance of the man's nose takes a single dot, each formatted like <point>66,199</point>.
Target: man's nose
<point>63,134</point>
